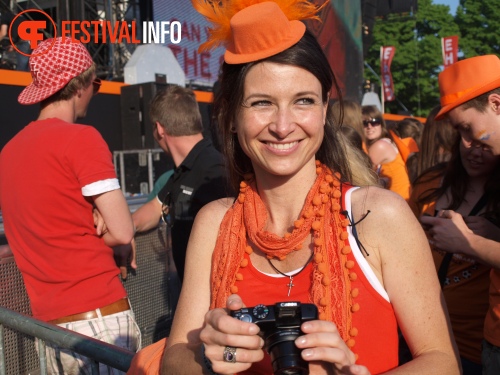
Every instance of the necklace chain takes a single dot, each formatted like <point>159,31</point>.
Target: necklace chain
<point>290,284</point>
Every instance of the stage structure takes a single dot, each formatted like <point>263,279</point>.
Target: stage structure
<point>339,33</point>
<point>109,57</point>
<point>344,33</point>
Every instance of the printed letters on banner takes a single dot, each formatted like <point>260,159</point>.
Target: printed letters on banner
<point>386,55</point>
<point>449,46</point>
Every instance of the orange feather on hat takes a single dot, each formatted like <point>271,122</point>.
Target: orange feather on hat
<point>220,12</point>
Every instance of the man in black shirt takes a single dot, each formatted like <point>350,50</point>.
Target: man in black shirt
<point>199,176</point>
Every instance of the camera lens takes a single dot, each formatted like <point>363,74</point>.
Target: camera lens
<point>293,371</point>
<point>285,356</point>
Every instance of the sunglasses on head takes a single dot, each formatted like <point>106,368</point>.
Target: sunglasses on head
<point>372,122</point>
<point>96,85</point>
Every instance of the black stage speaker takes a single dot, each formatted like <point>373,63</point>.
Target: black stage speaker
<point>137,128</point>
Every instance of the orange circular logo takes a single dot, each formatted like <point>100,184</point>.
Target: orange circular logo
<point>30,31</point>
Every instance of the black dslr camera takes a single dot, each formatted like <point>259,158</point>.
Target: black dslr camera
<point>279,327</point>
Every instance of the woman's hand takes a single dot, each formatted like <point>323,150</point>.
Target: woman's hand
<point>483,227</point>
<point>222,331</point>
<point>448,232</point>
<point>325,350</point>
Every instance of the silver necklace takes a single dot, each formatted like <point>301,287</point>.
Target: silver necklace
<point>291,284</point>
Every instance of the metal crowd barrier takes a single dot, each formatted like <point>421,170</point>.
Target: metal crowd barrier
<point>99,351</point>
<point>153,290</point>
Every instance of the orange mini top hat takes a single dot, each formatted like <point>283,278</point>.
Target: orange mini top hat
<point>252,30</point>
<point>467,79</point>
<point>53,64</point>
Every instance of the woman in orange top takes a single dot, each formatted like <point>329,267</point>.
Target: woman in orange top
<point>467,184</point>
<point>384,154</point>
<point>288,236</point>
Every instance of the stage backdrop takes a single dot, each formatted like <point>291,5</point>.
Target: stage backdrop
<point>339,34</point>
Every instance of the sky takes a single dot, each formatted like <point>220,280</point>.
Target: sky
<point>452,3</point>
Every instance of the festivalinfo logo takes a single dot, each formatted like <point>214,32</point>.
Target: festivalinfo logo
<point>98,32</point>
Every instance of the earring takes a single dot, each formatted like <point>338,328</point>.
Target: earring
<point>233,129</point>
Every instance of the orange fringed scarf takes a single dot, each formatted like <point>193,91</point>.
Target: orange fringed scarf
<point>331,286</point>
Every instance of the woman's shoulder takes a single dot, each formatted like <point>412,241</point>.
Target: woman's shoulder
<point>213,212</point>
<point>206,226</point>
<point>382,151</point>
<point>383,144</point>
<point>377,200</point>
<point>382,216</point>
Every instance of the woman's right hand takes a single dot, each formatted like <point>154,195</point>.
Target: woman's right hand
<point>483,227</point>
<point>221,330</point>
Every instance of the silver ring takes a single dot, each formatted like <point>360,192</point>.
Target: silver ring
<point>229,354</point>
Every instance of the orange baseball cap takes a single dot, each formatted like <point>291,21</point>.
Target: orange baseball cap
<point>259,31</point>
<point>467,79</point>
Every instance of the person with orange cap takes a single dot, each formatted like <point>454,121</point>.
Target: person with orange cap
<point>470,99</point>
<point>467,185</point>
<point>53,174</point>
<point>326,269</point>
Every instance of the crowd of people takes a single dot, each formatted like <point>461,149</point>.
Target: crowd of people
<point>317,228</point>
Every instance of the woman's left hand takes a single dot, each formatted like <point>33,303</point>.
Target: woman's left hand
<point>325,350</point>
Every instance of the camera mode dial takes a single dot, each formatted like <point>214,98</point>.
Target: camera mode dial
<point>260,311</point>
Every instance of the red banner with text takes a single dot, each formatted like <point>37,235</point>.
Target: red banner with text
<point>449,46</point>
<point>386,55</point>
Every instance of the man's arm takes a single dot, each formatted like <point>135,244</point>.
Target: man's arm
<point>115,212</point>
<point>3,30</point>
<point>147,216</point>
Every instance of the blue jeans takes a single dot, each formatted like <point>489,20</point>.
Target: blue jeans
<point>22,60</point>
<point>491,359</point>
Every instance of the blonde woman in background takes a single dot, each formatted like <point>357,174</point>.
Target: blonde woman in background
<point>383,152</point>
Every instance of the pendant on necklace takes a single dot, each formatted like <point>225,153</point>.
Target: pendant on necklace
<point>290,285</point>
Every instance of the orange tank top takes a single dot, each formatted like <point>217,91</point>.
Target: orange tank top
<point>396,172</point>
<point>376,339</point>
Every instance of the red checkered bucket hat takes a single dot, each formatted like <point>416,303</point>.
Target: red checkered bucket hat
<point>53,64</point>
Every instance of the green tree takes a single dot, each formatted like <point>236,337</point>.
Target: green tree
<point>479,23</point>
<point>418,59</point>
